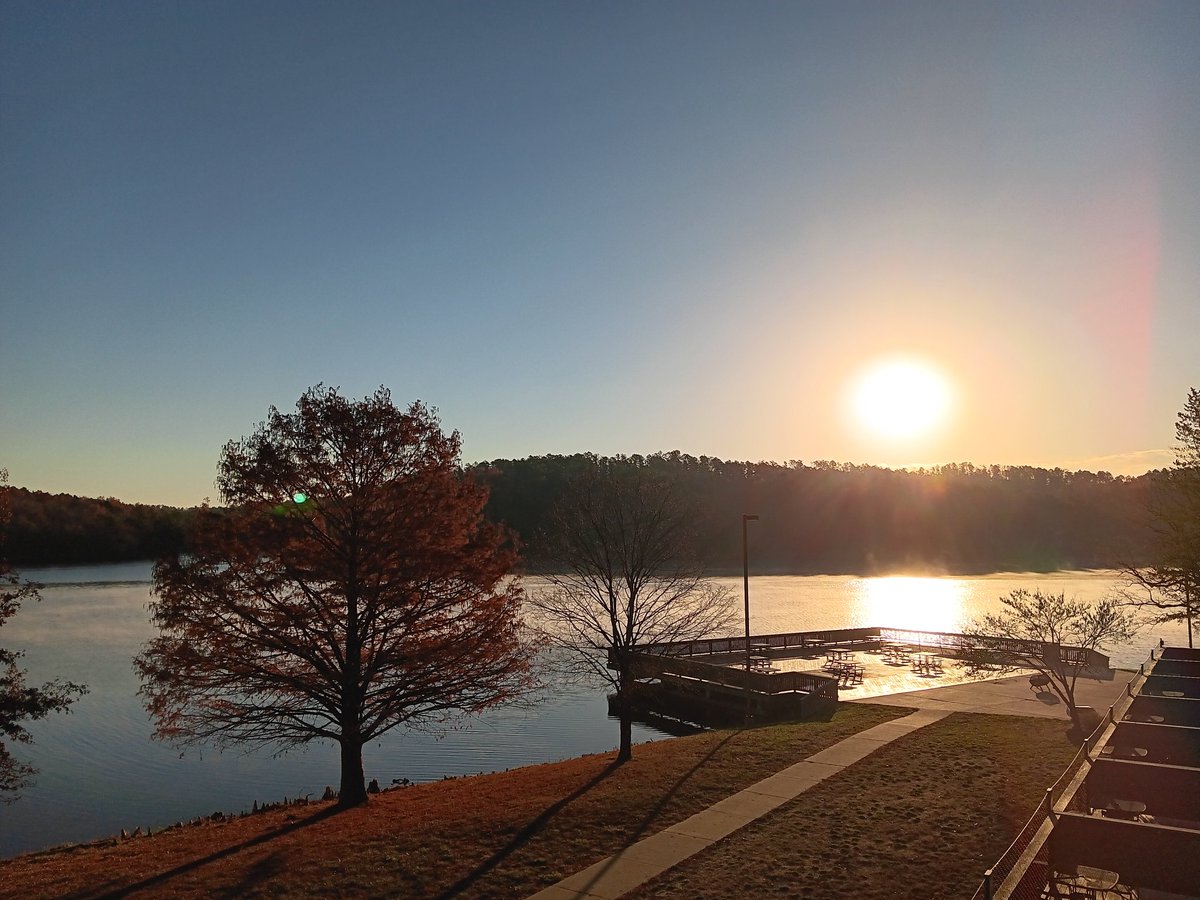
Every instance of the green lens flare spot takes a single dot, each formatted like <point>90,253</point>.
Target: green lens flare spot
<point>299,497</point>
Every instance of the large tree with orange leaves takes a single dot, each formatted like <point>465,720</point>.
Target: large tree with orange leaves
<point>350,586</point>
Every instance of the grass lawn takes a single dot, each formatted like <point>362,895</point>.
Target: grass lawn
<point>920,818</point>
<point>501,835</point>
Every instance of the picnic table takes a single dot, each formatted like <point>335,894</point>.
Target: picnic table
<point>842,664</point>
<point>1120,808</point>
<point>895,654</point>
<point>927,664</point>
<point>1086,880</point>
<point>847,673</point>
<point>1125,752</point>
<point>1146,718</point>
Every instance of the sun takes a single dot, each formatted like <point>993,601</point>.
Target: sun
<point>901,398</point>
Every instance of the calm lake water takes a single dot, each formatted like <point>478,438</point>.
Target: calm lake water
<point>100,772</point>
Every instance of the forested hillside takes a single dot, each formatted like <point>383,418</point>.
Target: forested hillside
<point>836,518</point>
<point>819,517</point>
<point>61,529</point>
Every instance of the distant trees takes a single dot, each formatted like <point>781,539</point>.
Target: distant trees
<point>623,572</point>
<point>1168,590</point>
<point>1017,637</point>
<point>352,585</point>
<point>835,518</point>
<point>60,529</point>
<point>19,703</point>
<point>827,517</point>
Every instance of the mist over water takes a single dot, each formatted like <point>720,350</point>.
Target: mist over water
<point>100,772</point>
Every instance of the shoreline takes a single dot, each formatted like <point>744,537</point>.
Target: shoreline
<point>512,833</point>
<point>29,571</point>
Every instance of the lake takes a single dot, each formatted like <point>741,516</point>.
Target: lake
<point>100,772</point>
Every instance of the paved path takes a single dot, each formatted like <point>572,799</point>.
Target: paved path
<point>1011,696</point>
<point>640,862</point>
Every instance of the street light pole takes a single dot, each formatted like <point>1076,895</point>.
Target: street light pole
<point>746,581</point>
<point>1187,605</point>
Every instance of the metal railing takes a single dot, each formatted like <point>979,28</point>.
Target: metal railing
<point>656,665</point>
<point>1042,818</point>
<point>817,640</point>
<point>1068,793</point>
<point>792,640</point>
<point>962,644</point>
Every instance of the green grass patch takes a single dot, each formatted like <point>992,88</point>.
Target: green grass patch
<point>922,817</point>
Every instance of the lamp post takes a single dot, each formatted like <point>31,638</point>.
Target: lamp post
<point>1187,605</point>
<point>746,581</point>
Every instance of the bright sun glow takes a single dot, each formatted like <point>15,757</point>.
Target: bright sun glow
<point>901,398</point>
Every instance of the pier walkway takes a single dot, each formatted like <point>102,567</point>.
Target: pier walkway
<point>638,863</point>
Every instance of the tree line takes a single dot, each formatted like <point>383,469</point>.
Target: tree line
<point>820,517</point>
<point>62,529</point>
<point>834,518</point>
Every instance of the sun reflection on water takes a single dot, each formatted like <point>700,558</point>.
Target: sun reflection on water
<point>925,604</point>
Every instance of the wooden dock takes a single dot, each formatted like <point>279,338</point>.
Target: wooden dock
<point>779,677</point>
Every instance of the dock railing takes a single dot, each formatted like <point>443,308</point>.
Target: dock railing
<point>951,642</point>
<point>793,640</point>
<point>654,665</point>
<point>958,644</point>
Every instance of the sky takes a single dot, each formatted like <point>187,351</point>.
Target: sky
<point>614,227</point>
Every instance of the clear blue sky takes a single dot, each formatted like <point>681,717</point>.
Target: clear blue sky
<point>617,227</point>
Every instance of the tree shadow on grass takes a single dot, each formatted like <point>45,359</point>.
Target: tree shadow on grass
<point>163,877</point>
<point>666,798</point>
<point>529,831</point>
<point>661,805</point>
<point>525,834</point>
<point>257,874</point>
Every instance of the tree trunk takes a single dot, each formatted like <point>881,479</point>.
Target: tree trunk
<point>625,713</point>
<point>1065,691</point>
<point>354,788</point>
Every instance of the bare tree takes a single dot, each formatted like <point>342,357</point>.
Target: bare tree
<point>1032,627</point>
<point>1168,590</point>
<point>18,702</point>
<point>352,586</point>
<point>625,575</point>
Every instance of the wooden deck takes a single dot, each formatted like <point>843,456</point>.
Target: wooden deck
<point>787,678</point>
<point>879,678</point>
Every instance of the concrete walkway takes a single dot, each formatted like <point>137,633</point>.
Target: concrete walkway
<point>638,863</point>
<point>1011,696</point>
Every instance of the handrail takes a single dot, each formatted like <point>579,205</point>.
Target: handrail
<point>1058,797</point>
<point>656,665</point>
<point>780,641</point>
<point>818,639</point>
